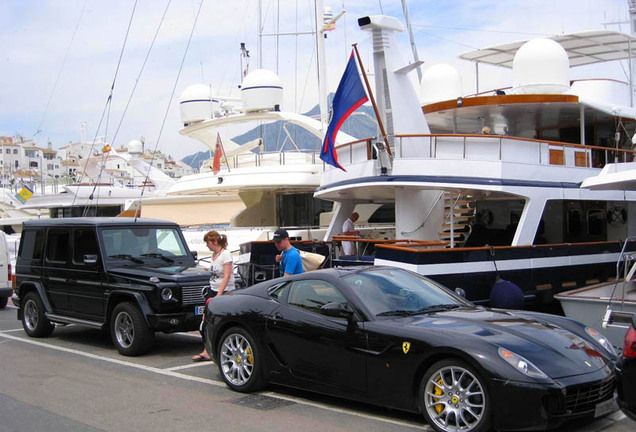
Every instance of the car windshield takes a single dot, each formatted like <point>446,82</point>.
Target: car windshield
<point>397,292</point>
<point>133,243</point>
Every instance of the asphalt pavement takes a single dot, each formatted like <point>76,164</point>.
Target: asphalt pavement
<point>75,381</point>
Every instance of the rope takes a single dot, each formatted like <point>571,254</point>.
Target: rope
<point>107,107</point>
<point>174,88</point>
<point>59,74</point>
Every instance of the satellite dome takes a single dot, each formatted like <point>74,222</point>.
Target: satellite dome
<point>196,104</point>
<point>541,66</point>
<point>135,147</point>
<point>261,91</point>
<point>440,82</point>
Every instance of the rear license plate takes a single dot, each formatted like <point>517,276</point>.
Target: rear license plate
<point>198,310</point>
<point>606,407</point>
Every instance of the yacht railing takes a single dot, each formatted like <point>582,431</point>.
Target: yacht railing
<point>274,158</point>
<point>488,147</point>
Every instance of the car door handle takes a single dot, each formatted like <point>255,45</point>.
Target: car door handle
<point>71,281</point>
<point>277,316</point>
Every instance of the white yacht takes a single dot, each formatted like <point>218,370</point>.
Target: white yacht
<point>499,176</point>
<point>254,191</point>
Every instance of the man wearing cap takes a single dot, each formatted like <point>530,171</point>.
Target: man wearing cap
<point>289,258</point>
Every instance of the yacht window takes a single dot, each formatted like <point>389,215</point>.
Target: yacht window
<point>574,222</point>
<point>595,221</point>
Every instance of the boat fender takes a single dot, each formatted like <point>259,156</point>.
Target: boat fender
<point>617,216</point>
<point>506,295</point>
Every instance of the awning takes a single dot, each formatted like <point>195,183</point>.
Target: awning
<point>582,49</point>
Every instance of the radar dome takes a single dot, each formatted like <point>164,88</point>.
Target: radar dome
<point>197,104</point>
<point>541,66</point>
<point>261,91</point>
<point>440,82</point>
<point>135,147</point>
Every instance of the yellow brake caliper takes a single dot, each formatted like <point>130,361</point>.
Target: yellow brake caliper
<point>250,357</point>
<point>439,392</point>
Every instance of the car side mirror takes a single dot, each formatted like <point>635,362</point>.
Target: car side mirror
<point>336,310</point>
<point>90,259</point>
<point>195,255</point>
<point>460,292</point>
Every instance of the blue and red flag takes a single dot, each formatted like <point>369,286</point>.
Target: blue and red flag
<point>348,98</point>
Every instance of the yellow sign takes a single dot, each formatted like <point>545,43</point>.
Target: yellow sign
<point>406,346</point>
<point>24,194</point>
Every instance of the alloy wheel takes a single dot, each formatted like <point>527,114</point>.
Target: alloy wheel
<point>454,399</point>
<point>237,359</point>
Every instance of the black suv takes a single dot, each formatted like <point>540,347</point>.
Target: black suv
<point>131,277</point>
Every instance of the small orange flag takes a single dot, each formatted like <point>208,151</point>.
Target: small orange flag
<point>218,152</point>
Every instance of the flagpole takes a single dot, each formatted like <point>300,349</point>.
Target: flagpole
<point>375,107</point>
<point>223,151</point>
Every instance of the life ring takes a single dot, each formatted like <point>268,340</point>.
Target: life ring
<point>486,217</point>
<point>617,215</point>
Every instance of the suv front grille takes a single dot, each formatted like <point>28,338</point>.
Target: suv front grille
<point>584,398</point>
<point>192,295</point>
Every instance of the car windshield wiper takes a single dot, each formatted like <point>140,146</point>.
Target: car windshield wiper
<point>127,256</point>
<point>396,312</point>
<point>437,308</point>
<point>158,255</point>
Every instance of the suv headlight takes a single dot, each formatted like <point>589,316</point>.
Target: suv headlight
<point>521,364</point>
<point>602,340</point>
<point>166,294</point>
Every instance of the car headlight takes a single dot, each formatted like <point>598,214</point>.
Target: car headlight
<point>166,294</point>
<point>602,340</point>
<point>521,364</point>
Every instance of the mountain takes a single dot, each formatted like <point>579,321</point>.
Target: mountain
<point>360,124</point>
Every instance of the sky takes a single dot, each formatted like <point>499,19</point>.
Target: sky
<point>69,62</point>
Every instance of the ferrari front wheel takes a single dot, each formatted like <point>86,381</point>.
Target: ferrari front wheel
<point>453,397</point>
<point>239,360</point>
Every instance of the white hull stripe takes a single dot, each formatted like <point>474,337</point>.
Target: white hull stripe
<point>502,265</point>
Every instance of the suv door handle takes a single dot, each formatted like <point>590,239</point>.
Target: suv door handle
<point>71,281</point>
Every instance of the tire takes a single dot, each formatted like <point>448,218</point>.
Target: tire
<point>34,321</point>
<point>129,331</point>
<point>3,302</point>
<point>239,361</point>
<point>454,397</point>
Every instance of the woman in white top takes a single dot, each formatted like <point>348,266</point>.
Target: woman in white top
<point>221,273</point>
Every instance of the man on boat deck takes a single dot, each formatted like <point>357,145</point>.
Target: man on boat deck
<point>348,248</point>
<point>289,258</point>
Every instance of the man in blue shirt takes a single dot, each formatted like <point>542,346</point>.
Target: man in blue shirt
<point>289,258</point>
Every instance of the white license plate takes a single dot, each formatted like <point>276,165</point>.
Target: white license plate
<point>606,407</point>
<point>198,310</point>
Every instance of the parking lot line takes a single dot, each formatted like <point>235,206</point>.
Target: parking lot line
<point>172,373</point>
<point>188,366</point>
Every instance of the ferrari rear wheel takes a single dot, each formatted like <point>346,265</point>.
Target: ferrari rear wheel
<point>239,361</point>
<point>454,397</point>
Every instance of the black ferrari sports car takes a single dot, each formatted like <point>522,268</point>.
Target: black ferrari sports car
<point>390,337</point>
<point>627,375</point>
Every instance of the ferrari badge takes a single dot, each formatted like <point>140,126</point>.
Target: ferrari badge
<point>406,346</point>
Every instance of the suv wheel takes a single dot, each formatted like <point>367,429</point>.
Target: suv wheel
<point>34,321</point>
<point>129,330</point>
<point>3,302</point>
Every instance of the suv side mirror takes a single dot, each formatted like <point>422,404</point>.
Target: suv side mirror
<point>195,255</point>
<point>90,259</point>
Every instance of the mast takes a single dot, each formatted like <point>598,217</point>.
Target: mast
<point>632,27</point>
<point>321,61</point>
<point>405,9</point>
